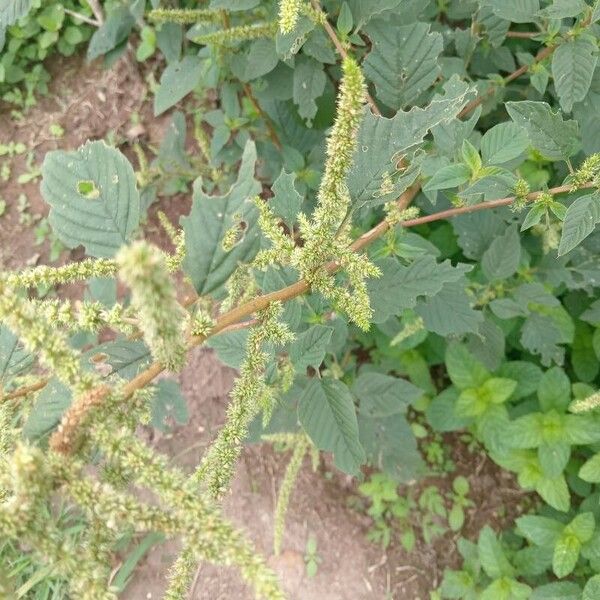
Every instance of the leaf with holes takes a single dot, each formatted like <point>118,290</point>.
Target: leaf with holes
<point>93,198</point>
<point>206,262</point>
<point>403,62</point>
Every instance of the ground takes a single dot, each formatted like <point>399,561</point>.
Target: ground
<point>89,103</point>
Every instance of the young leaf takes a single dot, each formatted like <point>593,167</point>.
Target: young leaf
<point>554,138</point>
<point>206,262</point>
<point>93,198</point>
<point>448,177</point>
<point>344,21</point>
<point>326,411</point>
<point>581,219</point>
<point>573,64</point>
<point>502,143</point>
<point>403,61</point>
<point>464,370</point>
<point>534,216</point>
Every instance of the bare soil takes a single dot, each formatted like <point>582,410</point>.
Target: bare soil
<point>90,103</point>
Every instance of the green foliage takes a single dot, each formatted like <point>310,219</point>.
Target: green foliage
<point>351,335</point>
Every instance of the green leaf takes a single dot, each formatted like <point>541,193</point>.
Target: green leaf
<point>126,358</point>
<point>177,81</point>
<point>308,349</point>
<point>441,412</point>
<point>309,84</point>
<point>554,138</point>
<point>573,64</point>
<point>287,201</point>
<point>403,61</point>
<point>554,390</point>
<point>381,141</point>
<point>526,374</point>
<point>464,370</point>
<point>382,395</point>
<point>555,492</point>
<point>517,11</point>
<point>450,312</point>
<point>554,457</point>
<point>501,259</point>
<point>581,219</point>
<point>498,389</point>
<point>534,216</point>
<point>541,531</point>
<point>230,347</point>
<point>233,5</point>
<point>48,409</point>
<point>93,198</point>
<point>559,590</point>
<point>206,262</point>
<point>168,403</point>
<point>582,526</point>
<point>344,20</point>
<point>12,10</point>
<point>364,10</point>
<point>14,359</point>
<point>326,411</point>
<point>448,177</point>
<point>492,557</point>
<point>391,447</point>
<point>503,143</point>
<point>562,9</point>
<point>590,470</point>
<point>470,156</point>
<point>399,286</point>
<point>566,554</point>
<point>260,58</point>
<point>506,588</point>
<point>115,30</point>
<point>591,591</point>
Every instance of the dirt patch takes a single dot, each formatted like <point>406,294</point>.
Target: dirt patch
<point>88,103</point>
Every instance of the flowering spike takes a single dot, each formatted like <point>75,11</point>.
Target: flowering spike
<point>289,11</point>
<point>161,317</point>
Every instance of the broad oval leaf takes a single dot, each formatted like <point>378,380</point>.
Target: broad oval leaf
<point>326,411</point>
<point>93,198</point>
<point>581,219</point>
